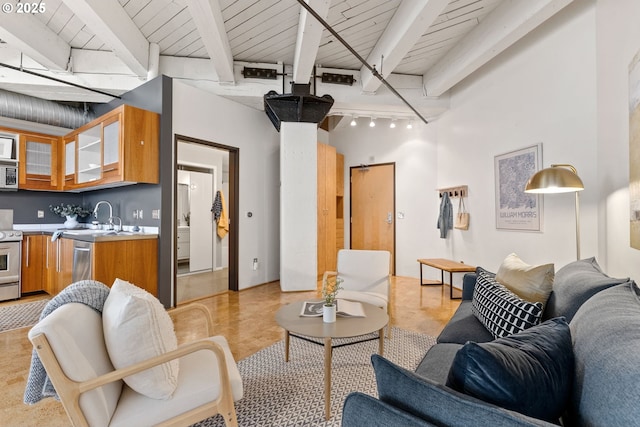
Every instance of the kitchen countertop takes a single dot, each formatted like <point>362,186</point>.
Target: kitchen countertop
<point>90,235</point>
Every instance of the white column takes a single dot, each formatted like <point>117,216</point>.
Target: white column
<point>298,206</point>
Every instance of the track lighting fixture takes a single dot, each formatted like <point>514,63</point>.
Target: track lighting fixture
<point>353,121</point>
<point>372,123</point>
<point>410,125</point>
<point>392,125</point>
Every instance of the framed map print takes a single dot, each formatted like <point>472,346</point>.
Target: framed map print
<point>515,209</point>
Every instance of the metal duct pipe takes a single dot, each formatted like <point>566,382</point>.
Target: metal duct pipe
<point>23,107</point>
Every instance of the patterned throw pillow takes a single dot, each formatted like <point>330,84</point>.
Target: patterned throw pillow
<point>501,311</point>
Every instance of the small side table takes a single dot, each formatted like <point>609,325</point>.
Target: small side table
<point>445,265</point>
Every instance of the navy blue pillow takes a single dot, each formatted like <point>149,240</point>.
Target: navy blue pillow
<point>529,372</point>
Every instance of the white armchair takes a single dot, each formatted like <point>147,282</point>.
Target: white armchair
<point>70,343</point>
<point>365,275</point>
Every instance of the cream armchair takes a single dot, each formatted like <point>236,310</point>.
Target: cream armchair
<point>365,275</point>
<point>70,343</point>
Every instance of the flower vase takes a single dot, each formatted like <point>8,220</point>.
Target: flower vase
<point>71,222</point>
<point>329,313</point>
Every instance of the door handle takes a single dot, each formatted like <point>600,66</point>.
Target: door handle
<point>389,218</point>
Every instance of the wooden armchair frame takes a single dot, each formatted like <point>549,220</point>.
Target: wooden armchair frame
<point>69,391</point>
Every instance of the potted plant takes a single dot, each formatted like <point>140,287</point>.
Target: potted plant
<point>70,212</point>
<point>330,290</point>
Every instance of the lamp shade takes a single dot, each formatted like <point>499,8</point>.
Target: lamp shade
<point>556,179</point>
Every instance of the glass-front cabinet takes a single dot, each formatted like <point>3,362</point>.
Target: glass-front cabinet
<point>119,147</point>
<point>111,135</point>
<point>69,162</point>
<point>38,160</point>
<point>89,167</point>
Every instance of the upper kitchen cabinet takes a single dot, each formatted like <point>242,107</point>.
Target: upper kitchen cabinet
<point>119,147</point>
<point>38,160</point>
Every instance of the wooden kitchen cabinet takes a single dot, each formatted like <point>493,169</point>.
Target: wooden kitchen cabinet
<point>32,277</point>
<point>121,146</point>
<point>135,261</point>
<point>58,264</point>
<point>39,162</point>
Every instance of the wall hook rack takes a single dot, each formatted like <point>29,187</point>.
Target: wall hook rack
<point>459,191</point>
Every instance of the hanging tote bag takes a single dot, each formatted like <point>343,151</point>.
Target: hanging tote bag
<point>462,218</point>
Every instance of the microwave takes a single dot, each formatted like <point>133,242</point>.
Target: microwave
<point>8,175</point>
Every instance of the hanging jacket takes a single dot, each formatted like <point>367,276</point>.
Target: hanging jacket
<point>445,220</point>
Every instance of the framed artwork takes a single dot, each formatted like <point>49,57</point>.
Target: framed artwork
<point>515,209</point>
<point>634,152</point>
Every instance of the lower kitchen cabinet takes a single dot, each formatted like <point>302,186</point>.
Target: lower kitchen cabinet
<point>58,264</point>
<point>48,266</point>
<point>32,275</point>
<point>135,261</point>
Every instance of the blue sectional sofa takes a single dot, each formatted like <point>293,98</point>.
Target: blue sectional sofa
<point>591,377</point>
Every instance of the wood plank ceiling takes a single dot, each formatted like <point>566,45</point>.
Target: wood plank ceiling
<point>423,47</point>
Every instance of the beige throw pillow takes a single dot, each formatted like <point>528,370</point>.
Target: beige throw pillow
<point>530,282</point>
<point>137,327</point>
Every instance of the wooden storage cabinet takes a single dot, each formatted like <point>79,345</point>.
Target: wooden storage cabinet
<point>327,254</point>
<point>32,274</point>
<point>135,261</point>
<point>39,162</point>
<point>121,146</point>
<point>58,264</point>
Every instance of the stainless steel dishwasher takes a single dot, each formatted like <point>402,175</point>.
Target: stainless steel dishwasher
<point>81,260</point>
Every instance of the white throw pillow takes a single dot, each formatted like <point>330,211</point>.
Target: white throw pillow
<point>137,327</point>
<point>530,282</point>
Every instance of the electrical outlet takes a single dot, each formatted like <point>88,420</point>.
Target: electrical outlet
<point>155,214</point>
<point>137,214</point>
<point>255,264</point>
<point>40,214</point>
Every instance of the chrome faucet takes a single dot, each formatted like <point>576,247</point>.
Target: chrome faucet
<point>95,212</point>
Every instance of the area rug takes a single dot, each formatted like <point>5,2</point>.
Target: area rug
<point>21,315</point>
<point>287,394</point>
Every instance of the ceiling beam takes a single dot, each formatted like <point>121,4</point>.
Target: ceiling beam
<point>508,23</point>
<point>308,41</point>
<point>27,34</point>
<point>111,24</point>
<point>406,27</point>
<point>208,18</point>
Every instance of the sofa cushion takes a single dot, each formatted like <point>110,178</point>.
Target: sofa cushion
<point>436,363</point>
<point>437,403</point>
<point>530,282</point>
<point>137,327</point>
<point>500,310</point>
<point>574,284</point>
<point>463,327</point>
<point>606,342</point>
<point>529,372</point>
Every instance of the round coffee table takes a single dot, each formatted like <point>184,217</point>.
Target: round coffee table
<point>288,317</point>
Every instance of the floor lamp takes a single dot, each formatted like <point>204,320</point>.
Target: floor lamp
<point>559,178</point>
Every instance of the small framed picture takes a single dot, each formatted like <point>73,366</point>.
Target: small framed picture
<point>6,148</point>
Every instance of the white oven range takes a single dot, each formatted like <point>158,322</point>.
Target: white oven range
<point>10,264</point>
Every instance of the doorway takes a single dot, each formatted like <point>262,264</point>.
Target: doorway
<point>373,207</point>
<point>205,261</point>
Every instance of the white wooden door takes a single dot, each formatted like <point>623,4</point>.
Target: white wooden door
<point>202,224</point>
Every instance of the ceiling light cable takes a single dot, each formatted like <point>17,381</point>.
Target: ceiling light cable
<point>360,58</point>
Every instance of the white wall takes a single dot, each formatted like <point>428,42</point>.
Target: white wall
<point>206,116</point>
<point>618,40</point>
<point>414,154</point>
<point>541,90</point>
